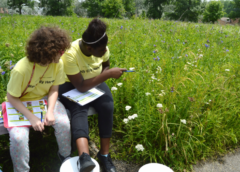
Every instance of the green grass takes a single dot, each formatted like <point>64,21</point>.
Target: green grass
<point>197,87</point>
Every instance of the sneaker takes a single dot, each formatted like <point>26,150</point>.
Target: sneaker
<point>106,163</point>
<point>85,163</point>
<point>63,159</point>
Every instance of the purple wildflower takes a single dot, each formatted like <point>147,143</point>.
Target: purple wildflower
<point>120,42</point>
<point>3,73</point>
<point>11,67</point>
<point>221,41</point>
<point>158,58</point>
<point>154,51</point>
<point>121,27</point>
<point>206,45</point>
<point>183,43</point>
<point>154,45</point>
<point>72,31</point>
<point>160,34</point>
<point>10,62</point>
<point>0,67</point>
<point>227,50</point>
<point>186,55</point>
<point>172,57</point>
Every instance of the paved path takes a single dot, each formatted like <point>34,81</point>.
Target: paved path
<point>228,163</point>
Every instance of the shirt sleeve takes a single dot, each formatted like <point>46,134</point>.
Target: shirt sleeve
<point>70,64</point>
<point>15,83</point>
<point>106,55</point>
<point>60,76</point>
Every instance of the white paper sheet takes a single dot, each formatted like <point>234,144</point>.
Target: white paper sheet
<point>83,98</point>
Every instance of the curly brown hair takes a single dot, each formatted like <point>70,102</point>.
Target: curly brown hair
<point>46,43</point>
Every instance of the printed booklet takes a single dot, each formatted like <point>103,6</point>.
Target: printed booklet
<point>13,118</point>
<point>83,98</point>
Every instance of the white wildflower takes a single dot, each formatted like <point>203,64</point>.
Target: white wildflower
<point>130,117</point>
<point>227,70</point>
<point>132,68</point>
<point>114,88</point>
<point>200,56</point>
<point>147,94</point>
<point>119,84</point>
<point>161,95</point>
<point>185,67</point>
<point>128,107</point>
<point>210,100</point>
<point>159,68</point>
<point>163,92</point>
<point>159,105</point>
<point>135,116</point>
<point>139,147</point>
<point>189,63</point>
<point>183,121</point>
<point>125,120</point>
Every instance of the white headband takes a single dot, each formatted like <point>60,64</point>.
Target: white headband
<point>95,41</point>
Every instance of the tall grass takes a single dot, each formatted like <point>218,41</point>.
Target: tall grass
<point>190,69</point>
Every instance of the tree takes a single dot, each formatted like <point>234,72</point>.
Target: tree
<point>129,6</point>
<point>113,8</point>
<point>79,10</point>
<point>155,8</point>
<point>3,4</point>
<point>18,4</point>
<point>235,13</point>
<point>184,10</point>
<point>93,7</point>
<point>213,11</point>
<point>57,7</point>
<point>139,6</point>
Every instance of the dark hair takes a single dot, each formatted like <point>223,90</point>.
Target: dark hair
<point>45,44</point>
<point>95,31</point>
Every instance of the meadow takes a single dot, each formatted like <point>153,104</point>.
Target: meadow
<point>180,106</point>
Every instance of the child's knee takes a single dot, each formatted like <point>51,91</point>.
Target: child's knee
<point>19,136</point>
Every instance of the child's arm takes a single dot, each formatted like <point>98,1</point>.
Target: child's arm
<point>52,98</point>
<point>35,121</point>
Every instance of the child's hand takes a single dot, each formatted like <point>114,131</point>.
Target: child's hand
<point>116,72</point>
<point>49,119</point>
<point>36,124</point>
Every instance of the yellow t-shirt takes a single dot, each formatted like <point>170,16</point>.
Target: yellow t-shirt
<point>21,74</point>
<point>75,61</point>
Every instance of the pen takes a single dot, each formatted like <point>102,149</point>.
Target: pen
<point>41,116</point>
<point>129,71</point>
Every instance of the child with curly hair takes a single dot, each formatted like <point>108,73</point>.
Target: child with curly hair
<point>38,76</point>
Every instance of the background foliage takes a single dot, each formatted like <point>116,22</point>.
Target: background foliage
<point>190,72</point>
<point>213,11</point>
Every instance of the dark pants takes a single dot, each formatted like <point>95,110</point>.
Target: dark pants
<point>79,114</point>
